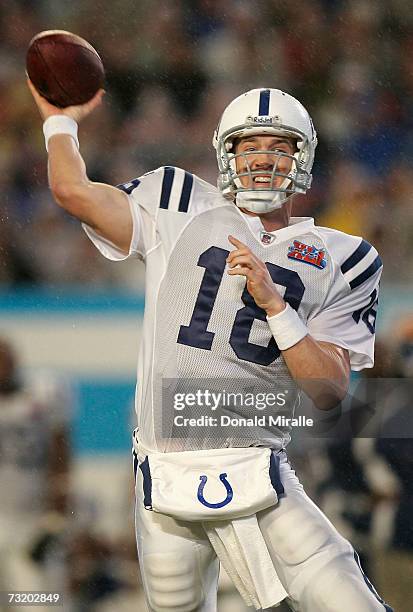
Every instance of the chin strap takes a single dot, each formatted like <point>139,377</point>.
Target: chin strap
<point>261,202</point>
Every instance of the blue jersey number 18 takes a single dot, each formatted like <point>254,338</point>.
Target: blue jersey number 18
<point>196,334</point>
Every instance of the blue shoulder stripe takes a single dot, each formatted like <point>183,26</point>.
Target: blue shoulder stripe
<point>264,107</point>
<point>362,250</point>
<point>130,186</point>
<point>372,269</point>
<point>186,192</point>
<point>168,179</point>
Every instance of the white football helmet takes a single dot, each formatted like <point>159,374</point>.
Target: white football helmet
<point>262,112</point>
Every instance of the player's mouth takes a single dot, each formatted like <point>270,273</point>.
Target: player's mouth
<point>263,180</point>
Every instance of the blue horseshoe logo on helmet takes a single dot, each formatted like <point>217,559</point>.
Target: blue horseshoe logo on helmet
<point>201,498</point>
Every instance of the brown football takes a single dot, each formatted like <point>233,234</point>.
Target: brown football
<point>64,68</point>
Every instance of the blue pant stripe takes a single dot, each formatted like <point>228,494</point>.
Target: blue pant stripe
<point>135,463</point>
<point>147,483</point>
<point>371,587</point>
<point>275,474</point>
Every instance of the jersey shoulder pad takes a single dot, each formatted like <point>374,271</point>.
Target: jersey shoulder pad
<point>171,189</point>
<point>356,259</point>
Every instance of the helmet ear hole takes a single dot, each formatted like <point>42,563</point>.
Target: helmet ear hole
<point>234,143</point>
<point>295,144</point>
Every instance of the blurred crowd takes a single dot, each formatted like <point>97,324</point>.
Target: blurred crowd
<point>172,66</point>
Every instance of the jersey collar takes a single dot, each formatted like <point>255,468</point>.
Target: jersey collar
<point>296,227</point>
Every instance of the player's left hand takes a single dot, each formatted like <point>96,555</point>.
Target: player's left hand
<point>242,261</point>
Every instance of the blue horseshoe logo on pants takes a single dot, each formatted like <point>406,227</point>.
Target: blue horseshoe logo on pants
<point>201,498</point>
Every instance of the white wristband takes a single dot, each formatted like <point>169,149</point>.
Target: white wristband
<point>287,328</point>
<point>59,124</point>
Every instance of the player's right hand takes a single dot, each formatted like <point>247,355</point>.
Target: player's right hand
<point>75,112</point>
<point>242,261</point>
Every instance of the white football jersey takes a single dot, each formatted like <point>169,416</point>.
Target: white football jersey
<point>203,330</point>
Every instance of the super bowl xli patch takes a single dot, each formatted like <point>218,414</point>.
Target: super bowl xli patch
<point>307,254</point>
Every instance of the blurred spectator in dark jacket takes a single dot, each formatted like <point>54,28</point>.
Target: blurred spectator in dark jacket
<point>34,473</point>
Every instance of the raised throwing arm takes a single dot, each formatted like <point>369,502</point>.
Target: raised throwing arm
<point>103,207</point>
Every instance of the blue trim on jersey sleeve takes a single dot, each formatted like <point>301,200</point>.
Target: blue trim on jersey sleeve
<point>361,278</point>
<point>264,107</point>
<point>361,251</point>
<point>129,186</point>
<point>168,179</point>
<point>186,192</point>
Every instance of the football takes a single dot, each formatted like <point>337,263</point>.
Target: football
<point>64,68</point>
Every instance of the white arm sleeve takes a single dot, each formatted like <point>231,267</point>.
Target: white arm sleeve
<point>348,320</point>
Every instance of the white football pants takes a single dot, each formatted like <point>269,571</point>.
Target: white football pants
<point>316,565</point>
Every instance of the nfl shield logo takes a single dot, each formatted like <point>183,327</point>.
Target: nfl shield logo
<point>266,238</point>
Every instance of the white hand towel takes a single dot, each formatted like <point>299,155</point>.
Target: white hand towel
<point>242,550</point>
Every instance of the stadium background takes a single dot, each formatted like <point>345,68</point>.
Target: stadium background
<point>172,66</point>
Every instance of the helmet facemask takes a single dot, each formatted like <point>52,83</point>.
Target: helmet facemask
<point>282,184</point>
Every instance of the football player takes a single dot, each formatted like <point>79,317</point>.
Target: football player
<point>237,289</point>
<point>34,471</point>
